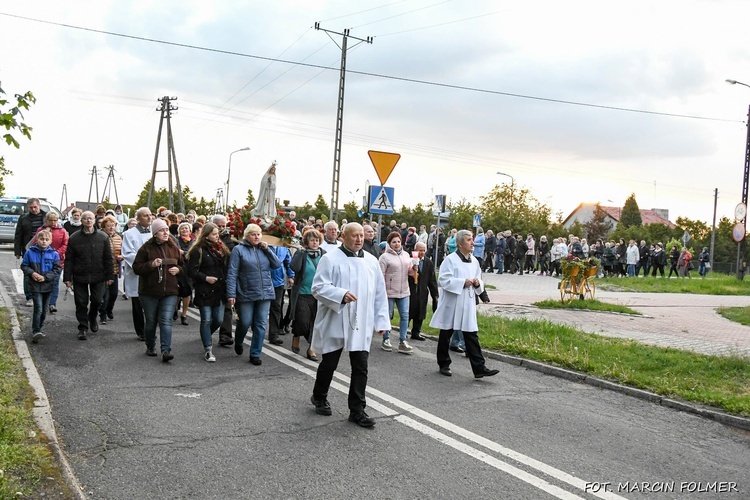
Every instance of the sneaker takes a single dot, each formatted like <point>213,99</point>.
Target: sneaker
<point>103,319</point>
<point>37,337</point>
<point>167,356</point>
<point>81,335</point>
<point>386,345</point>
<point>29,303</point>
<point>209,356</point>
<point>322,406</point>
<point>404,347</point>
<point>52,309</point>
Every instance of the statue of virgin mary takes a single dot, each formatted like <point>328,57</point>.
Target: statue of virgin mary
<point>266,205</point>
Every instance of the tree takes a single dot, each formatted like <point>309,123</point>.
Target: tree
<point>321,208</point>
<point>350,212</point>
<point>598,226</point>
<point>631,214</point>
<point>9,120</point>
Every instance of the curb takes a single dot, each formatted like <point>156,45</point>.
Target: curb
<point>42,411</point>
<point>573,376</point>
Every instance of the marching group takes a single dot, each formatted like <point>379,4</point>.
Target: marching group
<point>342,285</point>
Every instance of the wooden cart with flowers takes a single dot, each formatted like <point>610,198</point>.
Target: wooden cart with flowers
<point>276,230</point>
<point>578,278</point>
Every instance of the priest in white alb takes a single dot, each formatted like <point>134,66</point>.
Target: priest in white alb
<point>461,281</point>
<point>352,305</point>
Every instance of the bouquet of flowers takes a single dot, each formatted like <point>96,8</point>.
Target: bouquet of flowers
<point>279,226</point>
<point>572,265</point>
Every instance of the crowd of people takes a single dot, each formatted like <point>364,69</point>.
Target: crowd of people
<point>342,285</point>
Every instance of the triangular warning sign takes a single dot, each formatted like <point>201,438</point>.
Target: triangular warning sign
<point>381,201</point>
<point>384,164</point>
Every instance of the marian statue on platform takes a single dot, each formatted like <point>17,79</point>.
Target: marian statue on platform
<point>266,205</point>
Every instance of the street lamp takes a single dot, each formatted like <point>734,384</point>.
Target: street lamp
<point>512,181</point>
<point>229,171</point>
<point>742,243</point>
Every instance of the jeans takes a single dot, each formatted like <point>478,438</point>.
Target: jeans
<point>631,270</point>
<point>41,302</point>
<point>55,293</point>
<point>85,293</point>
<point>403,313</point>
<point>457,339</point>
<point>255,314</point>
<point>327,366</point>
<point>211,318</point>
<point>158,310</point>
<point>500,263</point>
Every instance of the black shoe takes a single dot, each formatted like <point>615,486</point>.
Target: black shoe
<point>418,336</point>
<point>255,361</point>
<point>457,348</point>
<point>362,419</point>
<point>167,356</point>
<point>238,349</point>
<point>94,326</point>
<point>275,340</point>
<point>322,406</point>
<point>81,335</point>
<point>150,351</point>
<point>141,338</point>
<point>486,372</point>
<point>183,320</point>
<point>174,316</point>
<point>226,342</point>
<point>446,370</point>
<point>110,316</point>
<point>52,309</point>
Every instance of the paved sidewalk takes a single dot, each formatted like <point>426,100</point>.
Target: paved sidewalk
<point>681,321</point>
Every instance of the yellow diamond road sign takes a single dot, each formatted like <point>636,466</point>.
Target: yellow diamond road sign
<point>384,164</point>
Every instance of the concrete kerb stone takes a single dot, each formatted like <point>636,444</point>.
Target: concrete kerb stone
<point>41,411</point>
<point>555,371</point>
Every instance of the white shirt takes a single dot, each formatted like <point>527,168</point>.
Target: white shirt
<point>132,240</point>
<point>457,306</point>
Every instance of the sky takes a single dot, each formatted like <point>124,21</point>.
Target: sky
<point>580,101</point>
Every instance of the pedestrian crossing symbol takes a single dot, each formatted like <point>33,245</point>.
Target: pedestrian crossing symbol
<point>381,200</point>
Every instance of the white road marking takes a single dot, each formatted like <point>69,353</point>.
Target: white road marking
<point>18,279</point>
<point>194,395</point>
<point>298,363</point>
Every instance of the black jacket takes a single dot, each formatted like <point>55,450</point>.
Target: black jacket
<point>425,287</point>
<point>205,262</point>
<point>88,258</point>
<point>25,230</point>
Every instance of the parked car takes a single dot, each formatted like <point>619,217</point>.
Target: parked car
<point>11,208</point>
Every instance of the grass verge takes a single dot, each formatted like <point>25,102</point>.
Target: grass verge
<point>738,314</point>
<point>713,284</point>
<point>718,381</point>
<point>589,305</point>
<point>27,466</point>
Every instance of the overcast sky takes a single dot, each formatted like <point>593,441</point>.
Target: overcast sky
<point>97,98</point>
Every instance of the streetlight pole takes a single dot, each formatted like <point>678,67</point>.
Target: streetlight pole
<point>229,172</point>
<point>741,246</point>
<point>512,182</point>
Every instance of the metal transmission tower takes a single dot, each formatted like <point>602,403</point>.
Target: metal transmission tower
<point>109,184</point>
<point>339,115</point>
<point>94,183</point>
<point>166,109</point>
<point>218,207</point>
<point>64,196</point>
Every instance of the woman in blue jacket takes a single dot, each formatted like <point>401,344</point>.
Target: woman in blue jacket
<point>250,289</point>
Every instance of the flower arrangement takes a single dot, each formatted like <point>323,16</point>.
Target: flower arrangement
<point>279,226</point>
<point>572,265</point>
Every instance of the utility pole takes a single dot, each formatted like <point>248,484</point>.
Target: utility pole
<point>64,196</point>
<point>339,115</point>
<point>218,207</point>
<point>742,245</point>
<point>109,184</point>
<point>713,228</point>
<point>94,182</point>
<point>166,109</point>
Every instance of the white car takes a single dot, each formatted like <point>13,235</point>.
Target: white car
<point>11,208</point>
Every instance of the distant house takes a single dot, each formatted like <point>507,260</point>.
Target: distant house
<point>585,212</point>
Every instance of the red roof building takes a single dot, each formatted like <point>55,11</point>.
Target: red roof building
<point>585,212</point>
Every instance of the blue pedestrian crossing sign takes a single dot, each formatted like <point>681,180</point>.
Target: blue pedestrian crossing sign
<point>381,200</point>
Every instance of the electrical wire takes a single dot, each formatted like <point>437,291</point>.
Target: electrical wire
<point>404,13</point>
<point>376,75</point>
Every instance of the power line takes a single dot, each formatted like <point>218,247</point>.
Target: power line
<point>440,24</point>
<point>405,13</point>
<point>377,75</point>
<point>362,11</point>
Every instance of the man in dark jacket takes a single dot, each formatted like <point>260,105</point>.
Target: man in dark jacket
<point>26,227</point>
<point>89,267</point>
<point>643,255</point>
<point>425,287</point>
<point>370,246</point>
<point>490,242</point>
<point>520,255</point>
<point>510,252</point>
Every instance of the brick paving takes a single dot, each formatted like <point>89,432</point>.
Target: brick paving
<point>681,321</point>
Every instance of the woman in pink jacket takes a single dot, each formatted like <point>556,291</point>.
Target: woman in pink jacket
<point>397,265</point>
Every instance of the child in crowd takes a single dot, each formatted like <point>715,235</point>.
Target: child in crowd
<point>41,268</point>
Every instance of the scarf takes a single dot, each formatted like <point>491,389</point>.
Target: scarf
<point>314,254</point>
<point>217,248</point>
<point>74,222</point>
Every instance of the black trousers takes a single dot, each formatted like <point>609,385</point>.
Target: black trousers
<point>473,350</point>
<point>416,327</point>
<point>276,313</point>
<point>88,299</point>
<point>139,319</point>
<point>358,383</point>
<point>111,293</point>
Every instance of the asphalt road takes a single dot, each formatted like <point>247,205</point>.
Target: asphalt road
<point>134,427</point>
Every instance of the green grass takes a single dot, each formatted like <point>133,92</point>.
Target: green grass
<point>590,305</point>
<point>718,381</point>
<point>713,284</point>
<point>25,462</point>
<point>739,314</point>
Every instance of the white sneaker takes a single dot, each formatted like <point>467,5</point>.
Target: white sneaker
<point>404,347</point>
<point>29,303</point>
<point>37,337</point>
<point>386,346</point>
<point>209,356</point>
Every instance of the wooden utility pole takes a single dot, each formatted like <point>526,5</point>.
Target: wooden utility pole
<point>94,183</point>
<point>166,109</point>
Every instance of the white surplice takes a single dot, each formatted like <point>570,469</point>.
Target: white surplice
<point>351,325</point>
<point>457,306</point>
<point>132,240</point>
